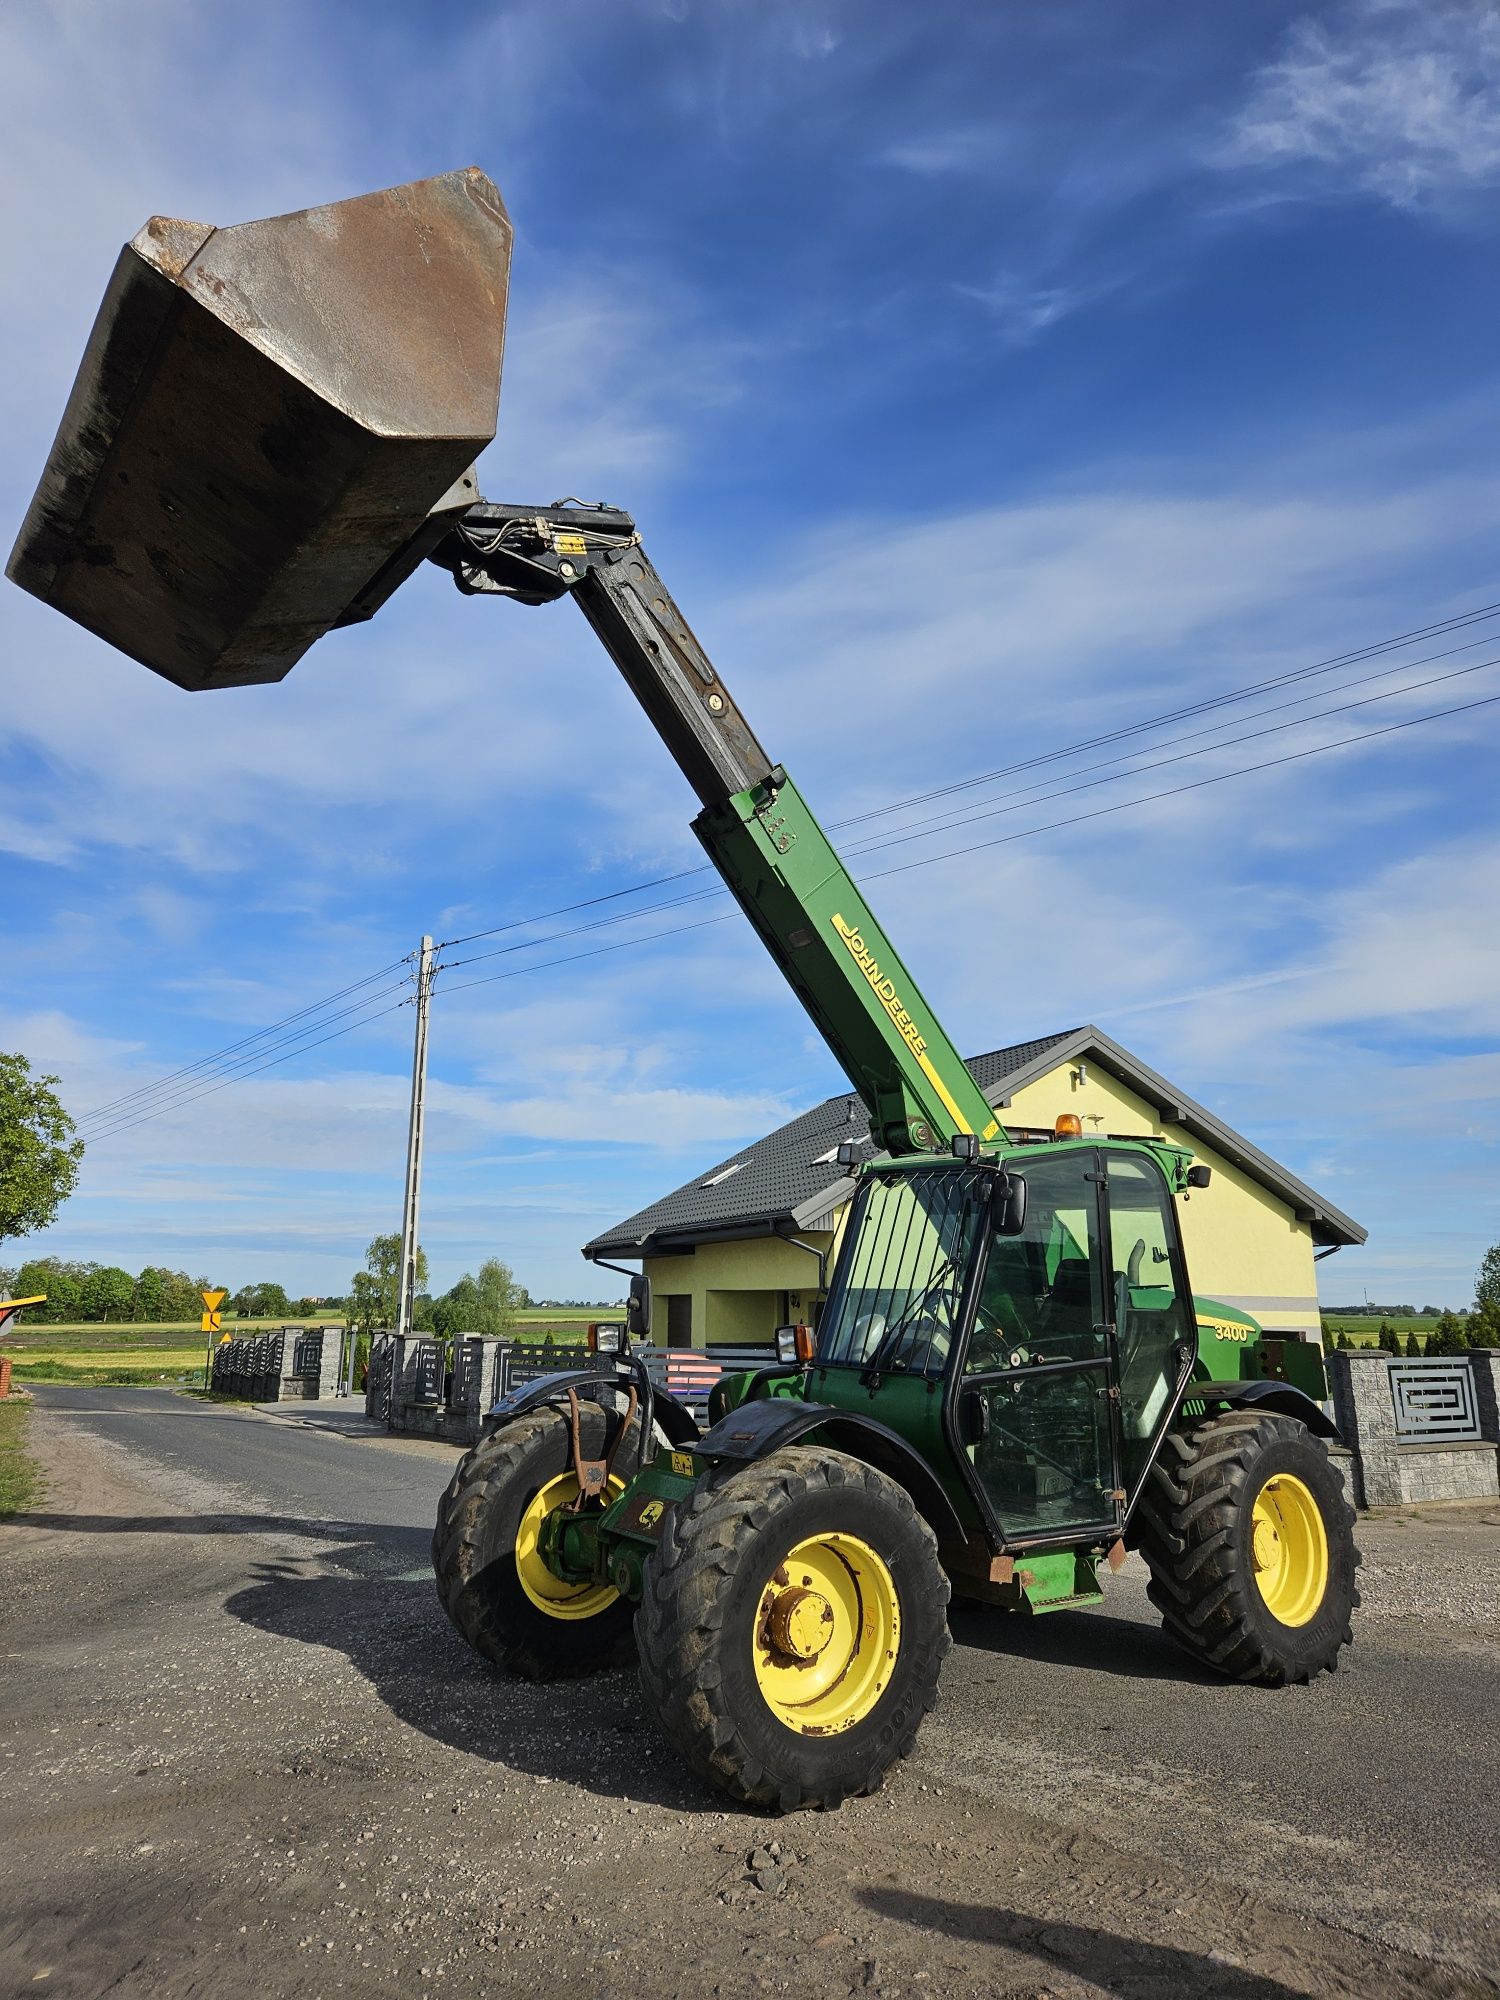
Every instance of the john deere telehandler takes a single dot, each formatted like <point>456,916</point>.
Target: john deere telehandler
<point>1011,1382</point>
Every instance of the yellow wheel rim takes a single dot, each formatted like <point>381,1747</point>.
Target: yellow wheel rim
<point>1289,1549</point>
<point>548,1592</point>
<point>827,1633</point>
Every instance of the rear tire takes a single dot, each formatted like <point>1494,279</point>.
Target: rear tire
<point>515,1474</point>
<point>1250,1544</point>
<point>793,1628</point>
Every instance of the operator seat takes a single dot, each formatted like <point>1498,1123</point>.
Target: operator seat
<point>1068,1314</point>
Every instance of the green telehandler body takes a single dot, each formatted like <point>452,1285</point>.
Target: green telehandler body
<point>1011,1382</point>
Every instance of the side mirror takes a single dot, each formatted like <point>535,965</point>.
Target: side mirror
<point>1199,1177</point>
<point>1008,1204</point>
<point>638,1311</point>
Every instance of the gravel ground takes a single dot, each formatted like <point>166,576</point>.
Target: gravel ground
<point>243,1753</point>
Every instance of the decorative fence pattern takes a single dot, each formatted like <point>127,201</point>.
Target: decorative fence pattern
<point>1435,1401</point>
<point>298,1363</point>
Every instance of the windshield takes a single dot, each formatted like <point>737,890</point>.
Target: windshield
<point>894,1301</point>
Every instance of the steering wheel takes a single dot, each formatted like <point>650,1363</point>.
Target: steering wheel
<point>919,1339</point>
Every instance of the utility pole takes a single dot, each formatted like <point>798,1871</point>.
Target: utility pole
<point>407,1292</point>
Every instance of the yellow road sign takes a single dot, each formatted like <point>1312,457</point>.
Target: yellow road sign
<point>212,1318</point>
<point>213,1300</point>
<point>210,1323</point>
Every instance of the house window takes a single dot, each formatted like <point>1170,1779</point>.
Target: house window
<point>723,1174</point>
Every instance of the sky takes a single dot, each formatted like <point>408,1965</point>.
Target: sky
<point>985,381</point>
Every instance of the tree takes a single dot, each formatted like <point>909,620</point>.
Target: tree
<point>60,1280</point>
<point>38,1153</point>
<point>486,1304</point>
<point>364,1303</point>
<point>148,1296</point>
<point>1448,1336</point>
<point>495,1299</point>
<point>383,1269</point>
<point>1485,1330</point>
<point>1413,1346</point>
<point>456,1311</point>
<point>108,1293</point>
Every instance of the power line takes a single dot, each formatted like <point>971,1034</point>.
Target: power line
<point>945,823</point>
<point>313,1007</point>
<point>924,829</point>
<point>1276,708</point>
<point>1195,785</point>
<point>1458,622</point>
<point>166,1094</point>
<point>1025,833</point>
<point>211,1089</point>
<point>155,1099</point>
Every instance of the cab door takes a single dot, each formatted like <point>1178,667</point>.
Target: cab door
<point>1036,1394</point>
<point>1150,1304</point>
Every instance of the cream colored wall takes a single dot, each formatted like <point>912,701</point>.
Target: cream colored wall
<point>736,1287</point>
<point>1243,1245</point>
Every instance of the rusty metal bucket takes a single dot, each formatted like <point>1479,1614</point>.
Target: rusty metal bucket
<point>270,424</point>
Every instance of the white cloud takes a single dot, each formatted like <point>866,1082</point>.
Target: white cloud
<point>1398,101</point>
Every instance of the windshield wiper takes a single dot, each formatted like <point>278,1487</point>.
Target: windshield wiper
<point>876,1363</point>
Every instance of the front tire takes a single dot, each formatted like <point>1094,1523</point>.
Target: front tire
<point>793,1628</point>
<point>1251,1550</point>
<point>490,1579</point>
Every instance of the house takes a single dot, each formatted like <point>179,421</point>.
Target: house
<point>735,1252</point>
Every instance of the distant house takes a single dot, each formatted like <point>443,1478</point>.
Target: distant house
<point>724,1268</point>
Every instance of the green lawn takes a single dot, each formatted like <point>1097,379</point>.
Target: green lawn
<point>20,1482</point>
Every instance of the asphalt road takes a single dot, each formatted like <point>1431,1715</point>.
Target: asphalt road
<point>242,1603</point>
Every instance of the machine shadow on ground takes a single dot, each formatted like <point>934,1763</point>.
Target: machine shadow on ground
<point>592,1733</point>
<point>1121,1964</point>
<point>1092,1641</point>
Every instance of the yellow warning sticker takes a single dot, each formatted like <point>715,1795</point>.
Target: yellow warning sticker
<point>682,1461</point>
<point>570,545</point>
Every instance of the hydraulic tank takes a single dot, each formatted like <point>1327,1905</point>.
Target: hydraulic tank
<point>270,423</point>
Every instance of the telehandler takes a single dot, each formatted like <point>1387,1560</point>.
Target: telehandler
<point>1011,1382</point>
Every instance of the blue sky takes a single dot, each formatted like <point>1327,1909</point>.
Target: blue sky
<point>984,380</point>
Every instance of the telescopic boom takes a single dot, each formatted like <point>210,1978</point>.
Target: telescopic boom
<point>274,424</point>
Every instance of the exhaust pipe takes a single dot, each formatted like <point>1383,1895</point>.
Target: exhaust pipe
<point>271,426</point>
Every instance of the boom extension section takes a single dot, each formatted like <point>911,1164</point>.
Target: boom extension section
<point>755,825</point>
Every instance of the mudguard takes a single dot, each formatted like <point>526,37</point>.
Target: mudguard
<point>1278,1396</point>
<point>756,1429</point>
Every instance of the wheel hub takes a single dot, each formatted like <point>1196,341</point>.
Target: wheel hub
<point>1267,1546</point>
<point>801,1622</point>
<point>1289,1549</point>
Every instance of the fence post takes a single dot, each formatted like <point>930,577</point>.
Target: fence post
<point>1366,1416</point>
<point>479,1384</point>
<point>1485,1364</point>
<point>330,1359</point>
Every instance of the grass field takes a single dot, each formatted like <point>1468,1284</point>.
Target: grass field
<point>1365,1329</point>
<point>20,1484</point>
<point>131,1354</point>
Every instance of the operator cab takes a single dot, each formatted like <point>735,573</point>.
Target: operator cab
<point>1059,1346</point>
